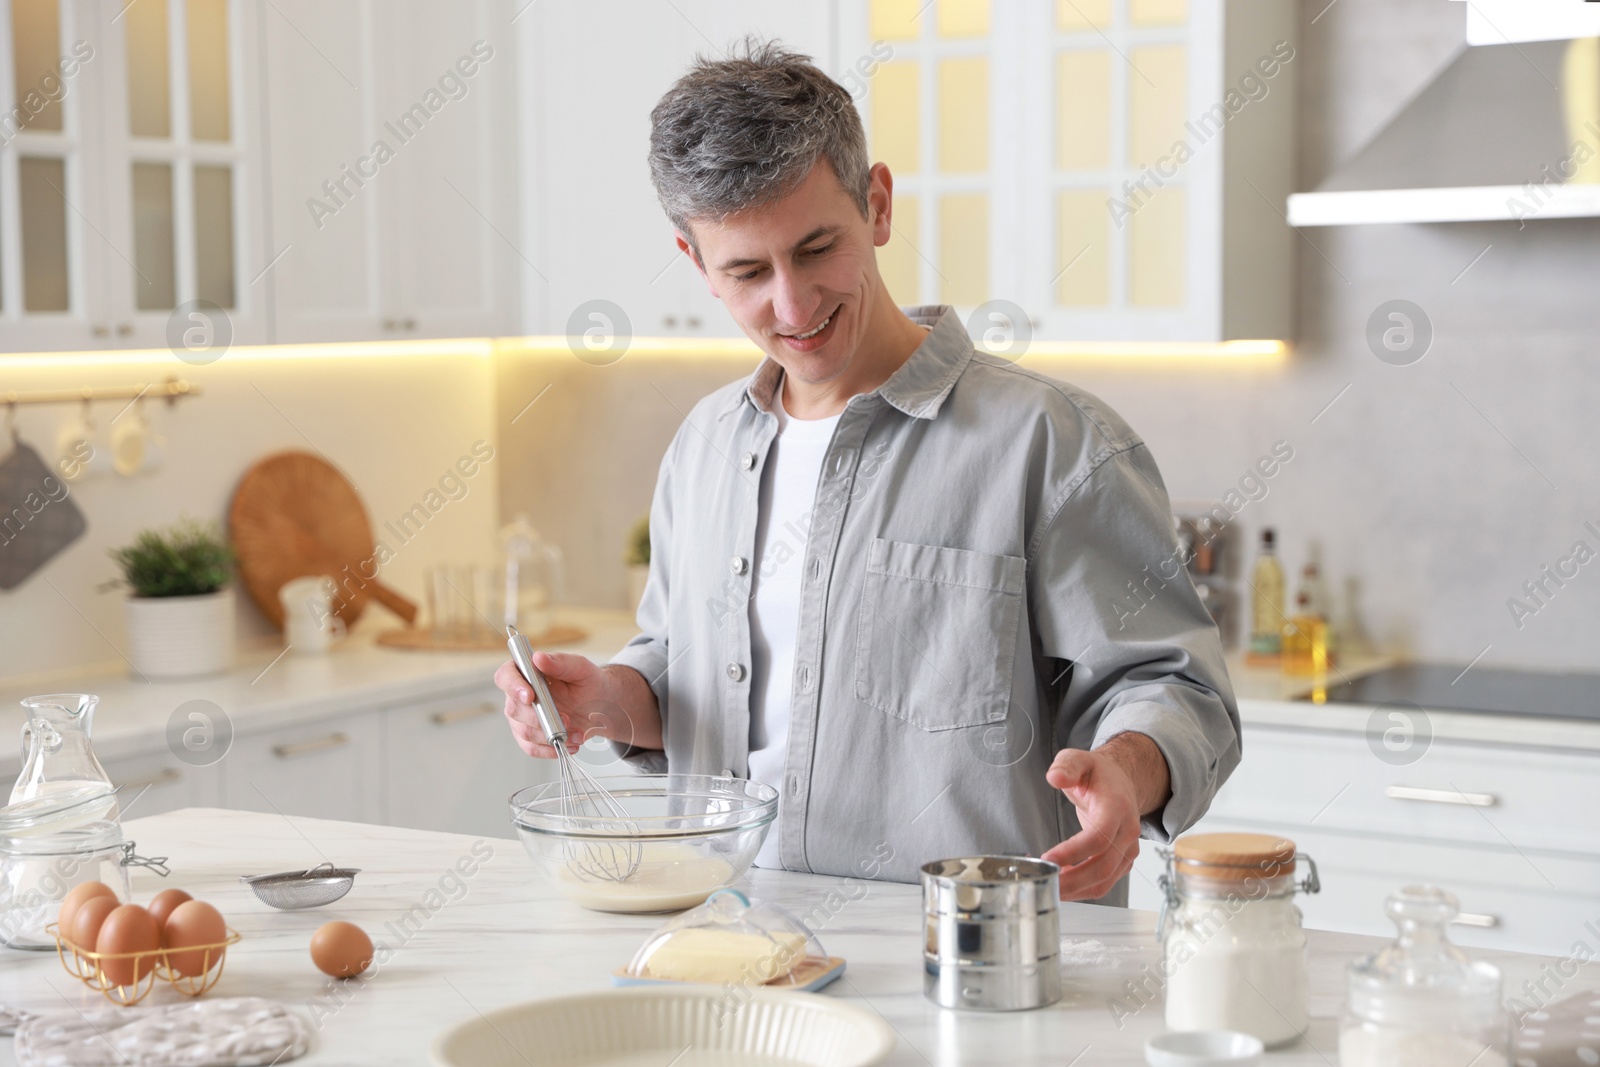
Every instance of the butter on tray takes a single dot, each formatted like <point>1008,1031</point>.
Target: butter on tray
<point>698,954</point>
<point>731,940</point>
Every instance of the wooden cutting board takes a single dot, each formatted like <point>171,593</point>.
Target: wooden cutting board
<point>295,514</point>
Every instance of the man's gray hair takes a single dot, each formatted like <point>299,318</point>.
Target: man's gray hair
<point>744,131</point>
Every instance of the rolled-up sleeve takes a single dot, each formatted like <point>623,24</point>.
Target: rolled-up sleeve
<point>647,653</point>
<point>1110,594</point>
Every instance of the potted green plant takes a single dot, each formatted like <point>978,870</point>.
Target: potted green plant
<point>179,611</point>
<point>637,557</point>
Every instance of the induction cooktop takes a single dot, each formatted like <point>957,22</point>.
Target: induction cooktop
<point>1490,690</point>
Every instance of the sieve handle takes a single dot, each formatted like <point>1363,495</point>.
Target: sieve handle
<point>544,704</point>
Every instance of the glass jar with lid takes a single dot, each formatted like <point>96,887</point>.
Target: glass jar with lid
<point>50,844</point>
<point>1421,1002</point>
<point>1233,950</point>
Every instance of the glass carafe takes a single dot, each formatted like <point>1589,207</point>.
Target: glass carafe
<point>1421,1002</point>
<point>57,758</point>
<point>532,569</point>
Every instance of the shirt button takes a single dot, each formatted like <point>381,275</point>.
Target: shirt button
<point>727,772</point>
<point>738,565</point>
<point>736,671</point>
<point>794,785</point>
<point>748,461</point>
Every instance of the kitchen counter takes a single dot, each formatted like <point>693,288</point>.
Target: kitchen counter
<point>267,689</point>
<point>1268,697</point>
<point>503,937</point>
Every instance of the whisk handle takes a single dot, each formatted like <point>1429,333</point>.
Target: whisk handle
<point>544,704</point>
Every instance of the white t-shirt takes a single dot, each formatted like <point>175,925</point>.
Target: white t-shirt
<point>788,490</point>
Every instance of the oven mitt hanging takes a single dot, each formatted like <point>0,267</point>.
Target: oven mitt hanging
<point>37,518</point>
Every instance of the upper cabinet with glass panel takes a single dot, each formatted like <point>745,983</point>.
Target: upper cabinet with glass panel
<point>179,159</point>
<point>124,155</point>
<point>1116,168</point>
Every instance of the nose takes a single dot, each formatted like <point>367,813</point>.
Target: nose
<point>794,301</point>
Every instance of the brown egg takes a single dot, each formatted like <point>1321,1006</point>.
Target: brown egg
<point>128,929</point>
<point>194,922</point>
<point>87,920</point>
<point>74,900</point>
<point>162,904</point>
<point>341,949</point>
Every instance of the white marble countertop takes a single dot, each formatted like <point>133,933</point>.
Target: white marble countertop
<point>501,936</point>
<point>264,691</point>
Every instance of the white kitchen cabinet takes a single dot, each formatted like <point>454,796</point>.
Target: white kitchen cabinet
<point>1116,169</point>
<point>392,204</point>
<point>331,769</point>
<point>326,282</point>
<point>584,117</point>
<point>128,176</point>
<point>155,782</point>
<point>451,765</point>
<point>1505,827</point>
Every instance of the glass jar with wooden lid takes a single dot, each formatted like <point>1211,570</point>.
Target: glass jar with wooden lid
<point>1233,951</point>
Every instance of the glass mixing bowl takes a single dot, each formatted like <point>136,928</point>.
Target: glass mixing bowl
<point>683,836</point>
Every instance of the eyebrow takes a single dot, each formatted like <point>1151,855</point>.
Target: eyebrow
<point>820,231</point>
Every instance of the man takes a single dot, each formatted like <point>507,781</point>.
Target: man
<point>933,598</point>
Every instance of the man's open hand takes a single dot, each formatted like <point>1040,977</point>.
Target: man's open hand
<point>1111,786</point>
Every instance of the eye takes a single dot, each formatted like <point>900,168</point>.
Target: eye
<point>824,250</point>
<point>748,275</point>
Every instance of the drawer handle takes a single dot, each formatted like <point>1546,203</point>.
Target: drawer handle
<point>301,748</point>
<point>166,777</point>
<point>1441,796</point>
<point>449,718</point>
<point>1478,919</point>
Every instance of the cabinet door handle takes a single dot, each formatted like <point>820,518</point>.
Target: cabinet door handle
<point>670,321</point>
<point>389,324</point>
<point>165,777</point>
<point>102,331</point>
<point>1478,919</point>
<point>124,329</point>
<point>455,715</point>
<point>408,324</point>
<point>1441,796</point>
<point>317,744</point>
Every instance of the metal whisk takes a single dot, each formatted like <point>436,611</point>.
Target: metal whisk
<point>588,807</point>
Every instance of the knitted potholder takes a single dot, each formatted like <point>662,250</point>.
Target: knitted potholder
<point>228,1032</point>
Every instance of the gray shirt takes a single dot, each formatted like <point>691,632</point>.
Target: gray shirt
<point>990,575</point>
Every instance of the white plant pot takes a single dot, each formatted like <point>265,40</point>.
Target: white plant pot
<point>180,636</point>
<point>638,574</point>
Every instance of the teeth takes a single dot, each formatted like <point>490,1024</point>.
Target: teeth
<point>813,333</point>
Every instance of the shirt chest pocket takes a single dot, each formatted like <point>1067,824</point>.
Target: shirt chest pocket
<point>938,633</point>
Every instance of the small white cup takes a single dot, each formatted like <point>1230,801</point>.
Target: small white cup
<point>77,455</point>
<point>309,624</point>
<point>134,446</point>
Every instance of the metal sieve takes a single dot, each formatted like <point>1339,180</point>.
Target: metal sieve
<point>294,890</point>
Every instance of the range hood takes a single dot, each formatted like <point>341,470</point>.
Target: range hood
<point>1508,130</point>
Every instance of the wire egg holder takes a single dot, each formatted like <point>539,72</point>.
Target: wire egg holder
<point>88,967</point>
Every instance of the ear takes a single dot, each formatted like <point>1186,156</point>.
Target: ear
<point>880,203</point>
<point>694,257</point>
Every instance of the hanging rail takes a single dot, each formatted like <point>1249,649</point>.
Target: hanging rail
<point>172,390</point>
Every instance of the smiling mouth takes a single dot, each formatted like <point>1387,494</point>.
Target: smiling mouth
<point>823,325</point>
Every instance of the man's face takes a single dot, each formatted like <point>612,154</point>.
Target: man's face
<point>800,275</point>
